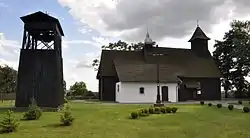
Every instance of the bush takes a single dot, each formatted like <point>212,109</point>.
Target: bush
<point>202,102</point>
<point>9,123</point>
<point>168,110</point>
<point>249,102</point>
<point>230,107</point>
<point>239,102</point>
<point>219,105</point>
<point>157,110</point>
<point>163,110</point>
<point>134,115</point>
<point>145,111</point>
<point>209,104</point>
<point>174,109</point>
<point>66,117</point>
<point>142,113</point>
<point>34,112</point>
<point>245,109</point>
<point>151,110</point>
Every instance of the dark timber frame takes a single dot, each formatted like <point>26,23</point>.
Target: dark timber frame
<point>40,71</point>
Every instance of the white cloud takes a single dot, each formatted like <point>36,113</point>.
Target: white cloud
<point>96,41</point>
<point>3,5</point>
<point>101,40</point>
<point>165,18</point>
<point>8,46</point>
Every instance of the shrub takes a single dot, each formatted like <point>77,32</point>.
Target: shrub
<point>174,109</point>
<point>219,105</point>
<point>202,102</point>
<point>9,123</point>
<point>157,110</point>
<point>163,110</point>
<point>151,110</point>
<point>142,113</point>
<point>168,109</point>
<point>66,117</point>
<point>239,102</point>
<point>34,112</point>
<point>145,111</point>
<point>209,104</point>
<point>245,109</point>
<point>249,102</point>
<point>230,107</point>
<point>134,115</point>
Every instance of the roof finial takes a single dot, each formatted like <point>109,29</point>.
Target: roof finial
<point>197,23</point>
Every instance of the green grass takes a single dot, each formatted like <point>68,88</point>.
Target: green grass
<point>111,121</point>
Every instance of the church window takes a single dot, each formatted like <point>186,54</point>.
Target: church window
<point>141,90</point>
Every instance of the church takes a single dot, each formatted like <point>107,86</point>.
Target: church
<point>180,74</point>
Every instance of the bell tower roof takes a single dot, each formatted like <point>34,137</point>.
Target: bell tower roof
<point>198,34</point>
<point>42,17</point>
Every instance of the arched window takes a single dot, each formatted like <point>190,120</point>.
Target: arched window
<point>141,90</point>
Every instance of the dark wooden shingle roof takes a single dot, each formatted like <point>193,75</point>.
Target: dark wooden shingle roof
<point>132,66</point>
<point>199,34</point>
<point>41,17</point>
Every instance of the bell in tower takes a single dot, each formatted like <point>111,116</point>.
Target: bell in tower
<point>40,71</point>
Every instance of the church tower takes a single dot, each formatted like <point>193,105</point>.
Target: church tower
<point>199,42</point>
<point>40,71</point>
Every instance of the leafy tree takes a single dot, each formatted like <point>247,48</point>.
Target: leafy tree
<point>8,78</point>
<point>78,89</point>
<point>119,45</point>
<point>232,56</point>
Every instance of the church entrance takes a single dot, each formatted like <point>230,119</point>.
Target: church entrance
<point>164,91</point>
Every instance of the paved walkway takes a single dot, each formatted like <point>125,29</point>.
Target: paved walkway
<point>224,103</point>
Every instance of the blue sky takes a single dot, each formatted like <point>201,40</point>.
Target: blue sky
<point>11,28</point>
<point>89,24</point>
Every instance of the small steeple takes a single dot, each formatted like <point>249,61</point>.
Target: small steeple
<point>199,42</point>
<point>148,40</point>
<point>198,34</point>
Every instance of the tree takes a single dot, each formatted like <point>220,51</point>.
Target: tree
<point>78,89</point>
<point>119,45</point>
<point>232,56</point>
<point>8,81</point>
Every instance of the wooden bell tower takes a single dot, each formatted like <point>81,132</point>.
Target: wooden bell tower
<point>40,71</point>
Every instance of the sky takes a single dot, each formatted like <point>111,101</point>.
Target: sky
<point>89,24</point>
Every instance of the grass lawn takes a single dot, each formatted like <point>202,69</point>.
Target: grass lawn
<point>111,121</point>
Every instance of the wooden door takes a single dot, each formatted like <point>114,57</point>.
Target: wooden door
<point>164,91</point>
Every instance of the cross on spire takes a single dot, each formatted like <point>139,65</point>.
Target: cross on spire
<point>197,23</point>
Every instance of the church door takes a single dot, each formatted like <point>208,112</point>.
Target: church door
<point>164,91</point>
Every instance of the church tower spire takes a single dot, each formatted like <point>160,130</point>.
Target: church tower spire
<point>199,42</point>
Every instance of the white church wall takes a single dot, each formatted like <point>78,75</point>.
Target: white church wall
<point>129,92</point>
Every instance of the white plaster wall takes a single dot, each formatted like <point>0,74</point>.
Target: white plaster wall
<point>129,92</point>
